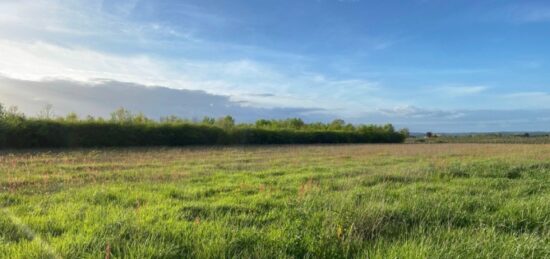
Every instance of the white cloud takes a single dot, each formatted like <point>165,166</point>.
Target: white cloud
<point>457,91</point>
<point>415,112</point>
<point>56,39</point>
<point>99,98</point>
<point>239,78</point>
<point>527,99</point>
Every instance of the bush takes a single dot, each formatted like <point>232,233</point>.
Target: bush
<point>128,129</point>
<point>32,133</point>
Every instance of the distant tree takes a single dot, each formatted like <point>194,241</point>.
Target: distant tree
<point>226,122</point>
<point>90,118</point>
<point>171,119</point>
<point>526,135</point>
<point>46,112</point>
<point>349,127</point>
<point>121,115</point>
<point>140,118</point>
<point>429,134</point>
<point>405,132</point>
<point>263,123</point>
<point>317,126</point>
<point>296,123</point>
<point>72,117</point>
<point>13,113</point>
<point>389,128</point>
<point>208,120</point>
<point>2,111</point>
<point>337,124</point>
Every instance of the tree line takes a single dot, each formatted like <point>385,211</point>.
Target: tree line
<point>125,128</point>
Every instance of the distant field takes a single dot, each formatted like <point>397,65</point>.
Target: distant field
<point>327,201</point>
<point>483,139</point>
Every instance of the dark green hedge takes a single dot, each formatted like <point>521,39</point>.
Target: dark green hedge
<point>31,133</point>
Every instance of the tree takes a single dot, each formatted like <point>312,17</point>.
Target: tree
<point>171,119</point>
<point>349,127</point>
<point>71,117</point>
<point>295,123</point>
<point>46,112</point>
<point>263,123</point>
<point>90,118</point>
<point>226,122</point>
<point>389,128</point>
<point>208,121</point>
<point>337,124</point>
<point>140,118</point>
<point>121,115</point>
<point>2,111</point>
<point>429,134</point>
<point>405,132</point>
<point>13,113</point>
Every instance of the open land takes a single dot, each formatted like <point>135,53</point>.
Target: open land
<point>319,201</point>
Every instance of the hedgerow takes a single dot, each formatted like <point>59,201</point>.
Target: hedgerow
<point>126,129</point>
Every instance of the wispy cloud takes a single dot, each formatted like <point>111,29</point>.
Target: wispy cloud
<point>530,64</point>
<point>522,12</point>
<point>527,99</point>
<point>458,91</point>
<point>209,49</point>
<point>419,113</point>
<point>463,120</point>
<point>86,40</point>
<point>529,13</point>
<point>238,78</point>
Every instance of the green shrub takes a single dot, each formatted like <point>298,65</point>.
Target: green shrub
<point>32,133</point>
<point>128,129</point>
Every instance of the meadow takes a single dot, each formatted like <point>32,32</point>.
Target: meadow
<point>483,139</point>
<point>315,201</point>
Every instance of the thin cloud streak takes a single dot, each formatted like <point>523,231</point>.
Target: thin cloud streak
<point>457,91</point>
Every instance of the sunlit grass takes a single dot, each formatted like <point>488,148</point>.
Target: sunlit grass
<point>378,201</point>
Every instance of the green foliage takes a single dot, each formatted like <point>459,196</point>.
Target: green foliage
<point>128,129</point>
<point>208,121</point>
<point>71,117</point>
<point>405,132</point>
<point>172,119</point>
<point>11,114</point>
<point>337,124</point>
<point>122,115</point>
<point>226,122</point>
<point>30,133</point>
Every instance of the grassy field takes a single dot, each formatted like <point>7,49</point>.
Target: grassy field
<point>482,139</point>
<point>332,201</point>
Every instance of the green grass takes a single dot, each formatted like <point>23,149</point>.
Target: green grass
<point>483,139</point>
<point>333,201</point>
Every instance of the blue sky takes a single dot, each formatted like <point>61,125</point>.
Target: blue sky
<point>426,65</point>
